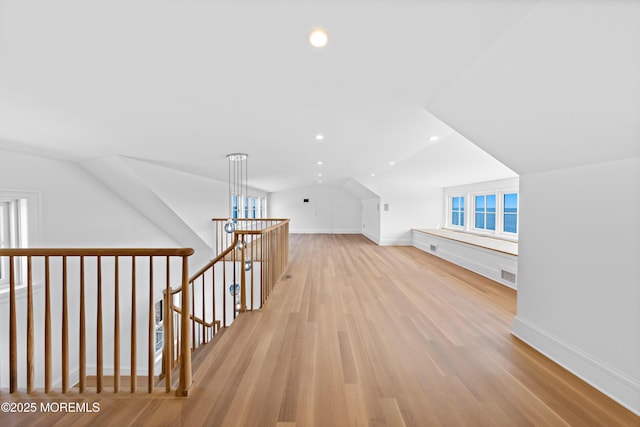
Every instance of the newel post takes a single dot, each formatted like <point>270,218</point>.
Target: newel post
<point>185,331</point>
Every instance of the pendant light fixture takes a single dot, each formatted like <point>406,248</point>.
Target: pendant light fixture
<point>238,188</point>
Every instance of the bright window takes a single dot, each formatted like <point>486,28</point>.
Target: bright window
<point>13,234</point>
<point>253,207</point>
<point>245,205</point>
<point>489,209</point>
<point>457,211</point>
<point>510,220</point>
<point>234,207</point>
<point>485,212</point>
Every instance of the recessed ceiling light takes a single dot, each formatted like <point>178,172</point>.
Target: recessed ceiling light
<point>320,174</point>
<point>319,137</point>
<point>320,181</point>
<point>373,174</point>
<point>318,37</point>
<point>319,162</point>
<point>392,163</point>
<point>434,138</point>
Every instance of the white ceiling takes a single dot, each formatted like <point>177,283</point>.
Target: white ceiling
<point>182,83</point>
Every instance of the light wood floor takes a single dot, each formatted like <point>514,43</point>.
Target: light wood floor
<point>365,335</point>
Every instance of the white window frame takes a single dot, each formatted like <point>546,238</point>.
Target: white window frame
<point>472,223</point>
<point>469,192</point>
<point>502,214</point>
<point>18,226</point>
<point>449,222</point>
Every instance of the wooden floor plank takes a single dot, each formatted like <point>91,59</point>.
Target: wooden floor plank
<point>363,335</point>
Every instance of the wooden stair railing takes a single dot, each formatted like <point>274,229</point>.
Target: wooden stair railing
<point>101,273</point>
<point>256,244</point>
<point>192,313</point>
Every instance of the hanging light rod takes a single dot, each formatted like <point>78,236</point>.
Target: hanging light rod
<point>237,156</point>
<point>238,188</point>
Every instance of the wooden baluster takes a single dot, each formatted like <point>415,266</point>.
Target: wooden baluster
<point>47,326</point>
<point>65,328</point>
<point>30,368</point>
<point>224,292</point>
<point>262,268</point>
<point>13,337</point>
<point>82,332</point>
<point>193,316</point>
<point>99,337</point>
<point>204,314</point>
<point>213,296</point>
<point>185,365</point>
<point>167,329</point>
<point>178,336</point>
<point>243,278</point>
<point>253,259</point>
<point>151,340</point>
<point>235,276</point>
<point>134,359</point>
<point>116,327</point>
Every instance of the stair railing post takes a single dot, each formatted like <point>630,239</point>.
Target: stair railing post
<point>185,328</point>
<point>243,277</point>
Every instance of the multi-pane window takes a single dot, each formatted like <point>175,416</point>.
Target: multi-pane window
<point>253,207</point>
<point>234,206</point>
<point>510,221</point>
<point>457,211</point>
<point>263,207</point>
<point>485,212</point>
<point>245,205</point>
<point>13,234</point>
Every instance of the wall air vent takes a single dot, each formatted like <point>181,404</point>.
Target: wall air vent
<point>433,248</point>
<point>508,276</point>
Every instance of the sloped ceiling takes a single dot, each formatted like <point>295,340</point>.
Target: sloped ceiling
<point>560,89</point>
<point>182,83</point>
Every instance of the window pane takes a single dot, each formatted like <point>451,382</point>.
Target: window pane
<point>491,203</point>
<point>479,203</point>
<point>461,204</point>
<point>491,221</point>
<point>454,218</point>
<point>511,202</point>
<point>462,219</point>
<point>510,223</point>
<point>234,201</point>
<point>479,220</point>
<point>456,203</point>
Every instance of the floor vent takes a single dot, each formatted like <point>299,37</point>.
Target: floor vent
<point>508,276</point>
<point>433,248</point>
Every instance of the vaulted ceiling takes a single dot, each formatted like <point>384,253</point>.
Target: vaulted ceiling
<point>182,83</point>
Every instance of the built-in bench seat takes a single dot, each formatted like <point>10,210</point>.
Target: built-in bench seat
<point>494,258</point>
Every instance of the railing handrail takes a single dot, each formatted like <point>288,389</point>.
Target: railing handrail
<point>211,263</point>
<point>251,219</point>
<point>264,230</point>
<point>182,252</point>
<point>63,282</point>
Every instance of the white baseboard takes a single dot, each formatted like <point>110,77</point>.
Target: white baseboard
<point>396,242</point>
<point>371,237</point>
<point>324,231</point>
<point>618,386</point>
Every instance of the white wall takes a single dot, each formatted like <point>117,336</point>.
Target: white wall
<point>371,219</point>
<point>329,210</point>
<point>579,274</point>
<point>74,210</point>
<point>420,209</point>
<point>194,198</point>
